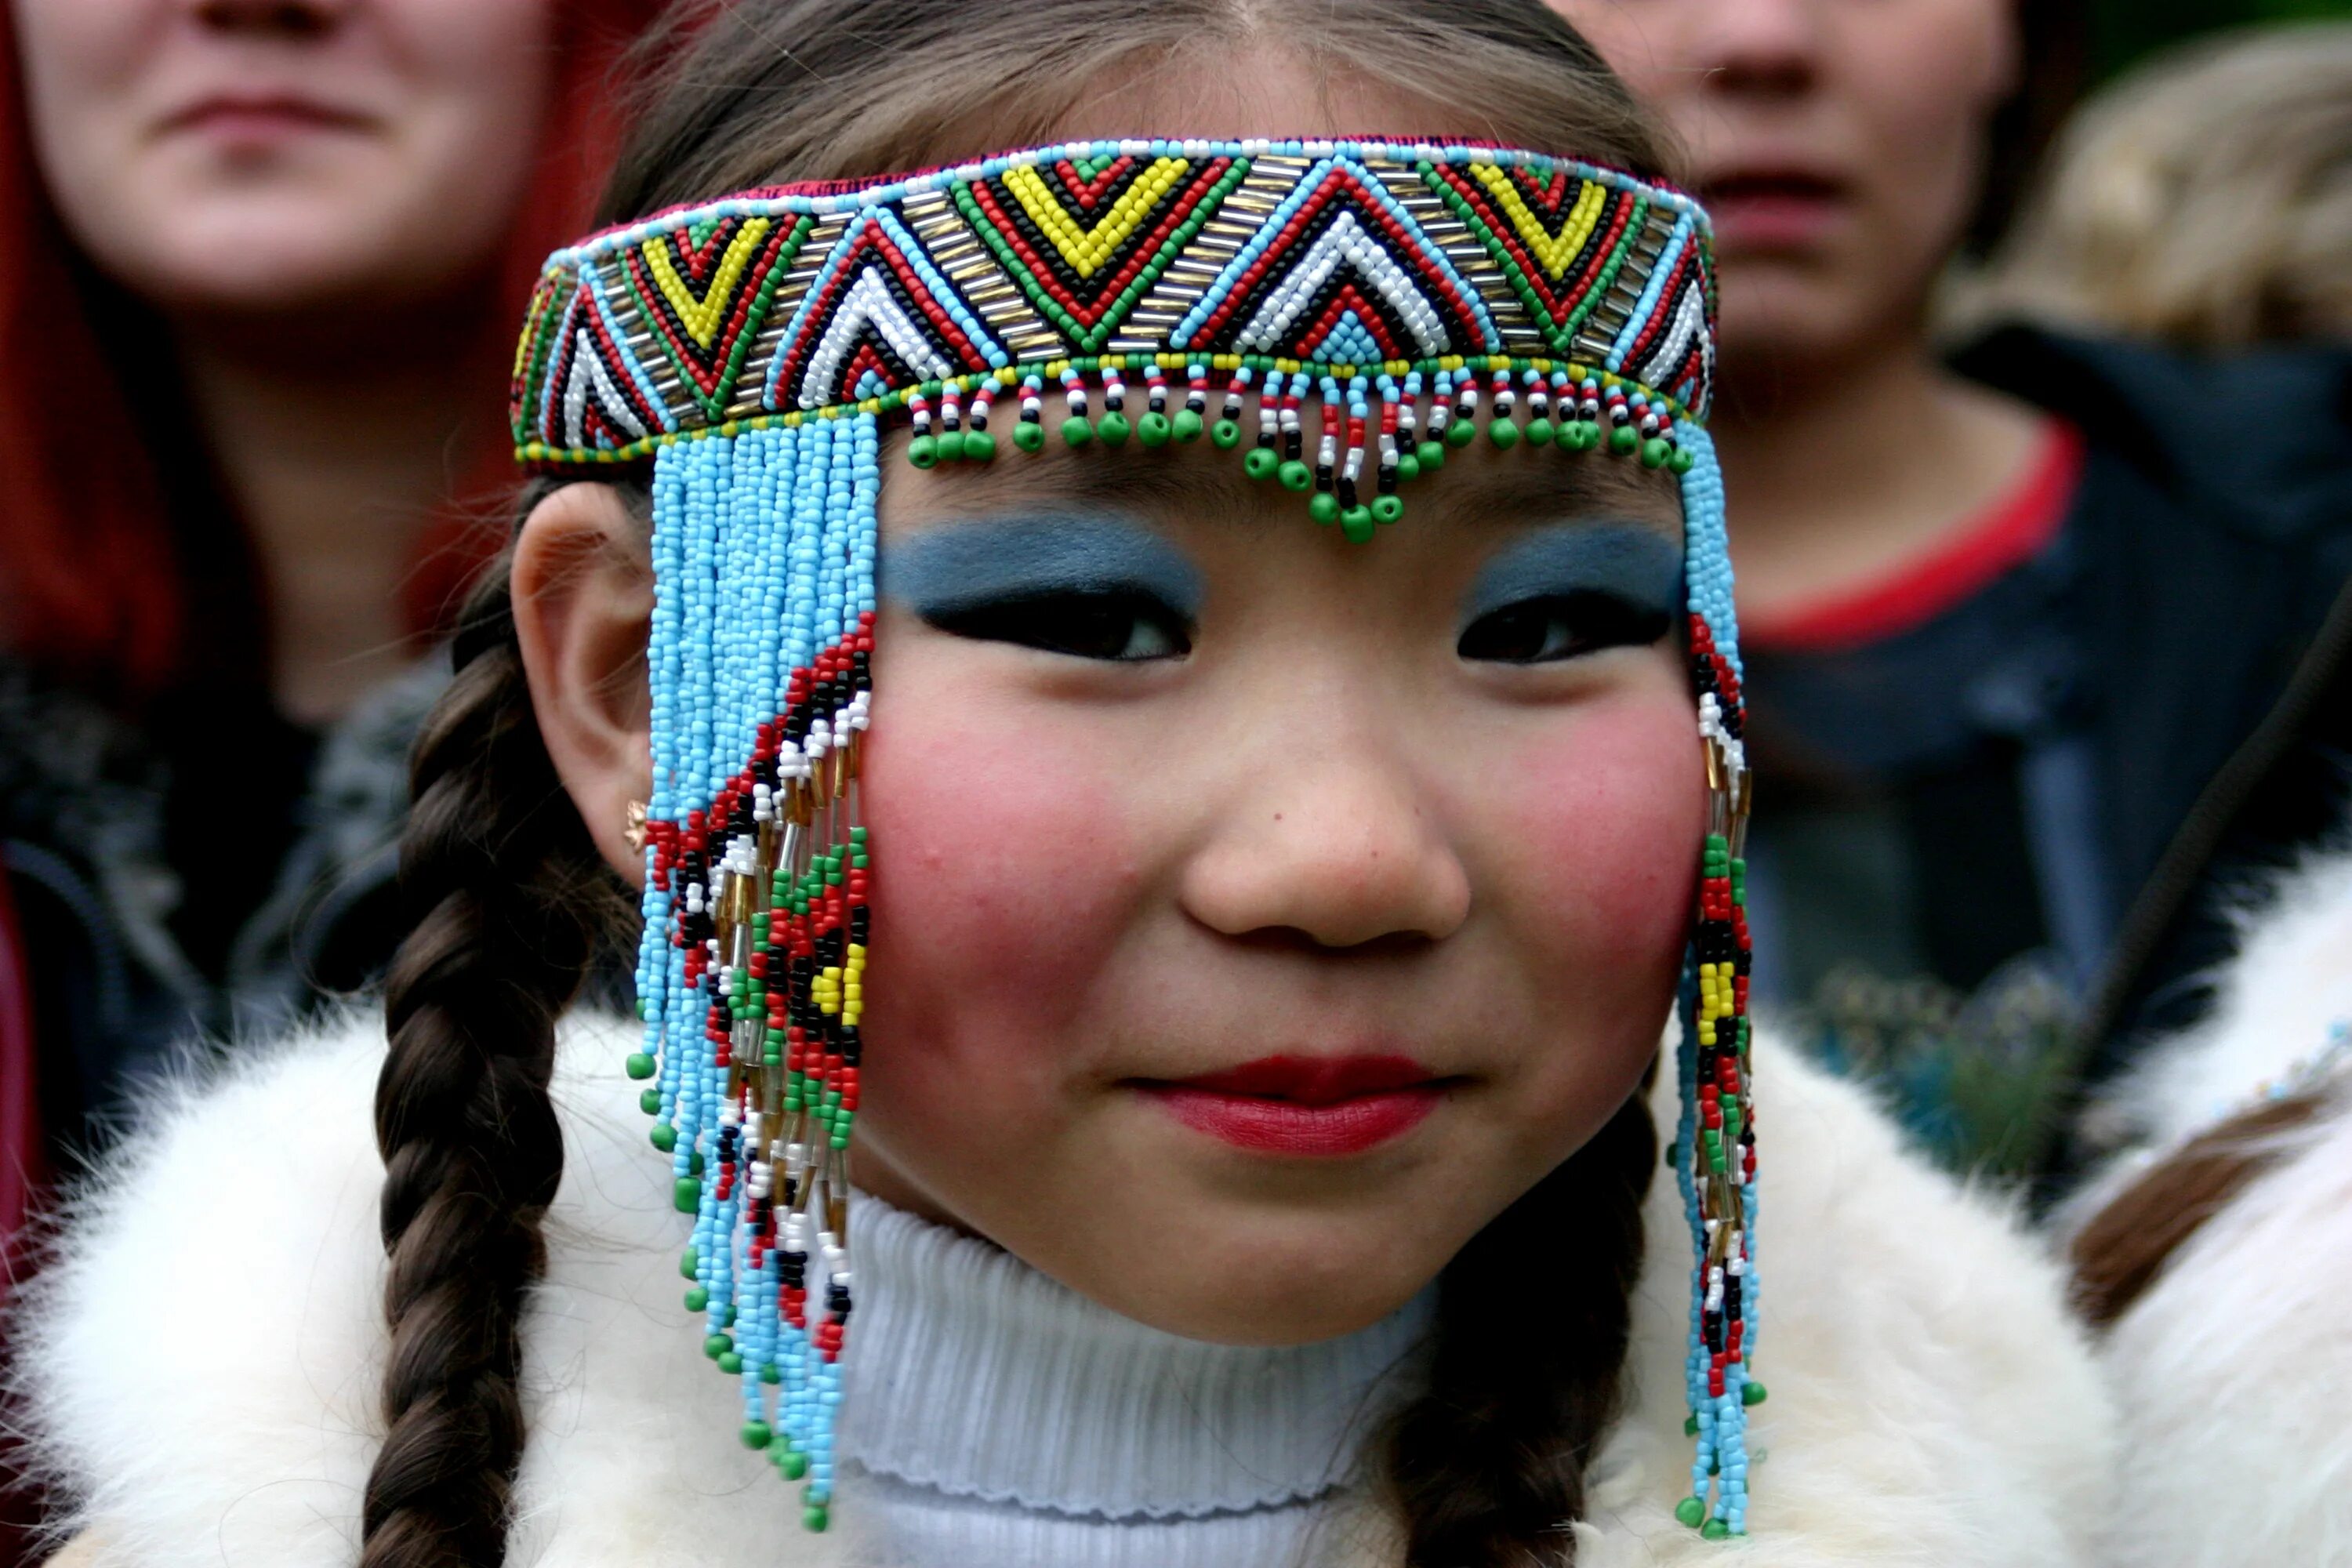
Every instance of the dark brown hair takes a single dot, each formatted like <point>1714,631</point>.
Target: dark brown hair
<point>1487,1467</point>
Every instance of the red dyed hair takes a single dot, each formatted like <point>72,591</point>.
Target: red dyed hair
<point>91,579</point>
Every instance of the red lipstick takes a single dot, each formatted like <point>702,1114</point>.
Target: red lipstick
<point>1306,1105</point>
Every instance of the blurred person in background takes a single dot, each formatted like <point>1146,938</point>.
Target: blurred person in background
<point>2107,560</point>
<point>2204,199</point>
<point>220,216</point>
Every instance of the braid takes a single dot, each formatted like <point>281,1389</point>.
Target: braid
<point>1534,1316</point>
<point>502,875</point>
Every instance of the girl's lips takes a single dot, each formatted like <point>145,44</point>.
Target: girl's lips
<point>253,115</point>
<point>1306,1106</point>
<point>1774,210</point>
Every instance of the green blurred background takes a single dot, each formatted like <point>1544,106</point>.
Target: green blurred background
<point>2122,30</point>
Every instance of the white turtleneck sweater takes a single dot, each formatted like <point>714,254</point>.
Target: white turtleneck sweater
<point>996,1419</point>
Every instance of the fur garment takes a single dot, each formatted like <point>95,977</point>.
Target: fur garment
<point>2231,1370</point>
<point>201,1358</point>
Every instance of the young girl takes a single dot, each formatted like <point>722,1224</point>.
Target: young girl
<point>1256,1092</point>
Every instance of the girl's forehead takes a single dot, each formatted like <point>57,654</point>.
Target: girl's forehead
<point>1477,486</point>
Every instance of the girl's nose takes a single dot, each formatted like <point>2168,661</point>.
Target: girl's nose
<point>1340,846</point>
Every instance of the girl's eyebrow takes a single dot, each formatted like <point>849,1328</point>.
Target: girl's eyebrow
<point>1084,481</point>
<point>1631,560</point>
<point>994,555</point>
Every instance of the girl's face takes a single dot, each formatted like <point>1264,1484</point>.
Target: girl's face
<point>1838,145</point>
<point>1258,914</point>
<point>266,155</point>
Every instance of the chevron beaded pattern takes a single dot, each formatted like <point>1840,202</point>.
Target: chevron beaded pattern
<point>1337,260</point>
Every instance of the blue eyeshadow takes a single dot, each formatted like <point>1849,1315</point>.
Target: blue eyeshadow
<point>1638,565</point>
<point>986,561</point>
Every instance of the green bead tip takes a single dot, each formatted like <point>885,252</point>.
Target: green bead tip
<point>1690,1511</point>
<point>1681,461</point>
<point>1461,433</point>
<point>1295,476</point>
<point>1152,429</point>
<point>1623,439</point>
<point>1580,435</point>
<point>923,451</point>
<point>1655,453</point>
<point>1432,456</point>
<point>1225,435</point>
<point>1690,1425</point>
<point>757,1434</point>
<point>1714,1530</point>
<point>1114,429</point>
<point>664,1136</point>
<point>1186,425</point>
<point>1029,436</point>
<point>1388,509</point>
<point>698,1299</point>
<point>718,1345</point>
<point>1357,523</point>
<point>1261,463</point>
<point>1540,433</point>
<point>771,1373</point>
<point>650,1102</point>
<point>731,1364</point>
<point>979,447</point>
<point>689,1263</point>
<point>640,1065</point>
<point>951,448</point>
<point>1503,433</point>
<point>815,1518</point>
<point>688,1192</point>
<point>1076,430</point>
<point>1408,466</point>
<point>794,1463</point>
<point>1324,508</point>
<point>1753,1393</point>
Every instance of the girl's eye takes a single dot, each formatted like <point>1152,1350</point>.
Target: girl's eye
<point>1561,626</point>
<point>1118,625</point>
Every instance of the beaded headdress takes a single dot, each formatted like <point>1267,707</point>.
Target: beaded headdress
<point>1344,312</point>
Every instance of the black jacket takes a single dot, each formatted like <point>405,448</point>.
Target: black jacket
<point>2213,531</point>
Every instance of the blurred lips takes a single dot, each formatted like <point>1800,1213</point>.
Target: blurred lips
<point>248,116</point>
<point>1773,209</point>
<point>1305,1105</point>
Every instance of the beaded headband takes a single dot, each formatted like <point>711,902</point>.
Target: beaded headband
<point>1367,296</point>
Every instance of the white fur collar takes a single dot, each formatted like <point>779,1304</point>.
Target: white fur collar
<point>203,1358</point>
<point>2229,1370</point>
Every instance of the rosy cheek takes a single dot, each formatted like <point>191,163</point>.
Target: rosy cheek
<point>1611,811</point>
<point>1004,874</point>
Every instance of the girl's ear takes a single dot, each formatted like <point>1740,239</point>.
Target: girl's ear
<point>584,603</point>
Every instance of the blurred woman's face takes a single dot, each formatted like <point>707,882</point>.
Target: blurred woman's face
<point>1839,143</point>
<point>262,155</point>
